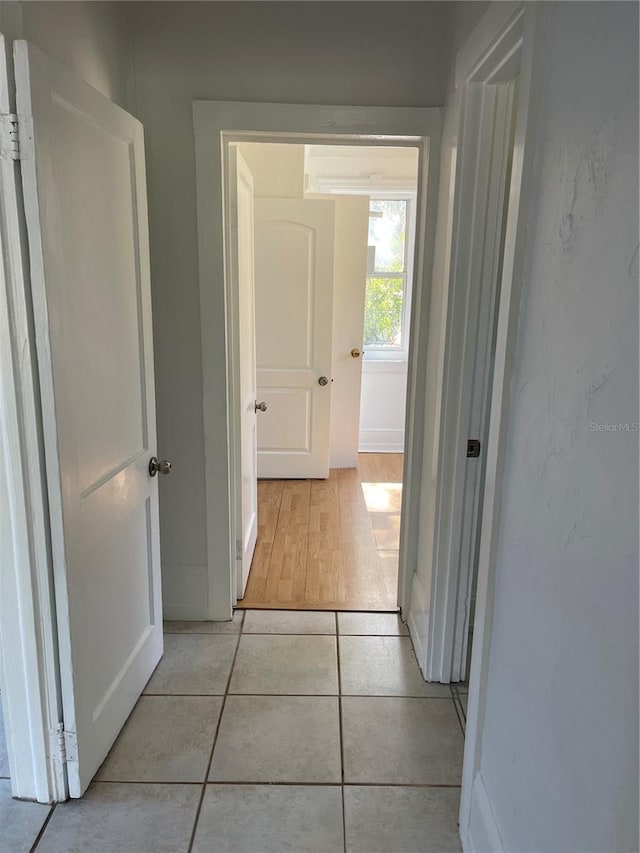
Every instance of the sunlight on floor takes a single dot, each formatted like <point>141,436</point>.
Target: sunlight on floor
<point>382,497</point>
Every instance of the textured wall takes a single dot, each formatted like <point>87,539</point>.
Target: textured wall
<point>277,169</point>
<point>560,742</point>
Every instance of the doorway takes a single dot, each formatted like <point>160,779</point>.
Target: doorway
<point>217,125</point>
<point>321,250</point>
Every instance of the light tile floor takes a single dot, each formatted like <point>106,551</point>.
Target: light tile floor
<point>280,731</point>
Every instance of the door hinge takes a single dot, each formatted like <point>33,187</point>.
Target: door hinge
<point>238,549</point>
<point>66,743</point>
<point>9,136</point>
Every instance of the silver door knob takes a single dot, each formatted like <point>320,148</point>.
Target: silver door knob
<point>323,381</point>
<point>162,466</point>
<point>260,407</point>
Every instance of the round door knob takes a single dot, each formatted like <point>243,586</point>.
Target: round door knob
<point>261,407</point>
<point>355,353</point>
<point>323,381</point>
<point>162,466</point>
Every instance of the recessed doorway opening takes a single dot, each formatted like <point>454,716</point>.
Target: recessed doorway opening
<point>321,246</point>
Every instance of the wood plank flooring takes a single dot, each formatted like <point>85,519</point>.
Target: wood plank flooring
<point>329,544</point>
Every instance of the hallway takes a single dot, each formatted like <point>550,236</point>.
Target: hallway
<point>329,544</point>
<point>277,731</point>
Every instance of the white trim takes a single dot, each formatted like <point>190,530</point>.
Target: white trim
<point>373,186</point>
<point>30,690</point>
<point>392,354</point>
<point>485,136</point>
<point>381,441</point>
<point>508,313</point>
<point>483,833</point>
<point>216,125</point>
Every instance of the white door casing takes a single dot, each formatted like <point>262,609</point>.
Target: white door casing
<point>28,654</point>
<point>218,125</point>
<point>84,188</point>
<point>294,252</point>
<point>241,259</point>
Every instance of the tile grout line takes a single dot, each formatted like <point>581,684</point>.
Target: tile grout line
<point>344,815</point>
<point>457,710</point>
<point>263,783</point>
<point>298,695</point>
<point>213,746</point>
<point>42,829</point>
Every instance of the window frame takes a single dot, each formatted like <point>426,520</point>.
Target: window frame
<point>373,352</point>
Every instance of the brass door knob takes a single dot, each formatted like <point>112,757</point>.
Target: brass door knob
<point>355,353</point>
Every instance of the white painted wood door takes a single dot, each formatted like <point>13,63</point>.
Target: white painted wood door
<point>242,261</point>
<point>294,253</point>
<point>83,176</point>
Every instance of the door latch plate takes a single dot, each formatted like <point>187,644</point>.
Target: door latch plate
<point>473,448</point>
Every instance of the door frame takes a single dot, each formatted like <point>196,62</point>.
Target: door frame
<point>504,45</point>
<point>216,125</point>
<point>31,696</point>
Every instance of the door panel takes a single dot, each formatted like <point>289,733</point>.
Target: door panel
<point>294,240</point>
<point>242,266</point>
<point>85,205</point>
<point>286,425</point>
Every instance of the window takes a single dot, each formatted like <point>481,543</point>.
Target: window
<point>386,313</point>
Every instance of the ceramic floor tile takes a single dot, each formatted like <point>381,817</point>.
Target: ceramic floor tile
<point>120,818</point>
<point>270,819</point>
<point>383,666</point>
<point>4,758</point>
<point>402,820</point>
<point>194,665</point>
<point>285,665</point>
<point>166,739</point>
<point>182,627</point>
<point>389,624</point>
<point>289,622</point>
<point>20,822</point>
<point>401,741</point>
<point>293,739</point>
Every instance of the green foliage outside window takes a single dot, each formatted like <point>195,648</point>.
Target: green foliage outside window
<point>384,301</point>
<point>383,312</point>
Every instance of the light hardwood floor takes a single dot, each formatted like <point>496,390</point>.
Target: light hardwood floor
<point>329,544</point>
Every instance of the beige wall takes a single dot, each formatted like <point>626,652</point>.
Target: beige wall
<point>277,168</point>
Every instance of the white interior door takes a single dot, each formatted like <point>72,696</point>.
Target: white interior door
<point>294,253</point>
<point>242,264</point>
<point>83,176</point>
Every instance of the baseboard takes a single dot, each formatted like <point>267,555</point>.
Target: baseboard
<point>184,592</point>
<point>482,835</point>
<point>381,441</point>
<point>416,620</point>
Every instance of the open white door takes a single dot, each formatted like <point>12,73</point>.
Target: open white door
<point>242,268</point>
<point>83,176</point>
<point>294,251</point>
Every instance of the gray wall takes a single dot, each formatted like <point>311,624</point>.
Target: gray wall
<point>343,53</point>
<point>560,738</point>
<point>88,38</point>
